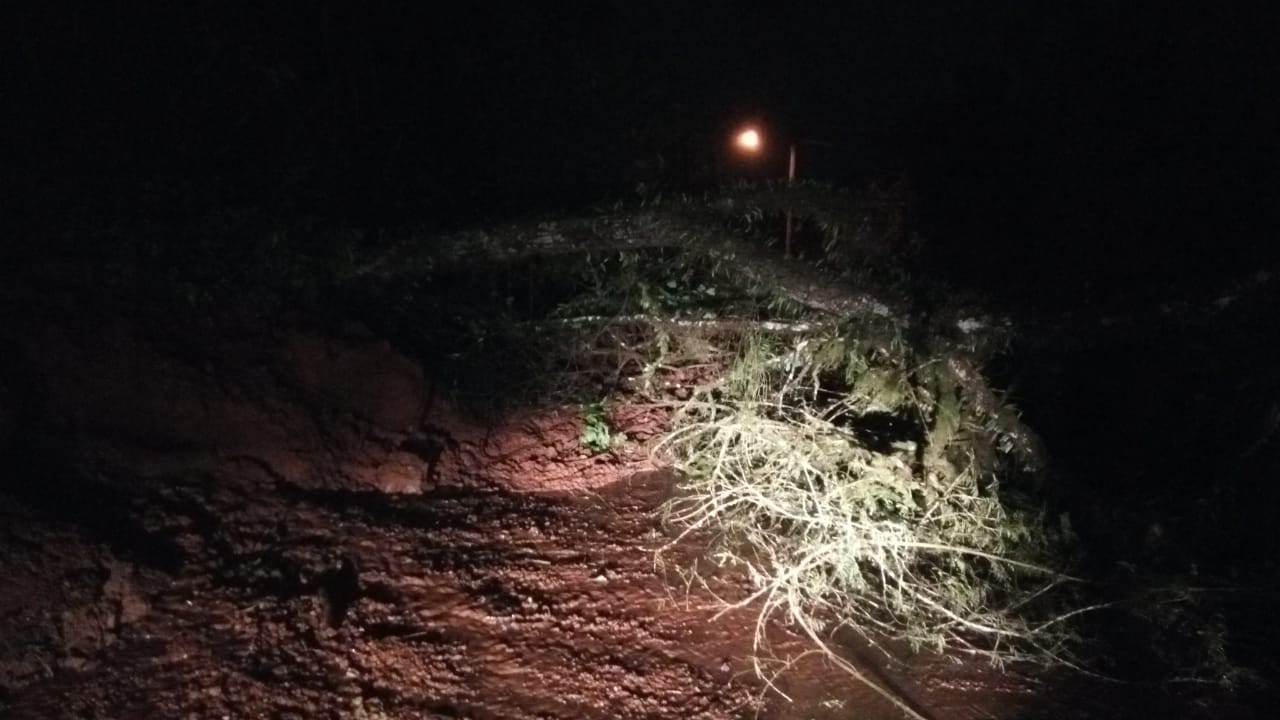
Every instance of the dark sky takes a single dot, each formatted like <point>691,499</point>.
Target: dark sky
<point>1034,125</point>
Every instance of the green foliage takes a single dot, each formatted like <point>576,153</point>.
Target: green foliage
<point>834,228</point>
<point>909,540</point>
<point>1190,637</point>
<point>598,435</point>
<point>657,283</point>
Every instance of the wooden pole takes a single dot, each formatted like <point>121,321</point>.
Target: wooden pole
<point>791,176</point>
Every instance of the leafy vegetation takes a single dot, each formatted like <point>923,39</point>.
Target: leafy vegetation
<point>860,488</point>
<point>598,435</point>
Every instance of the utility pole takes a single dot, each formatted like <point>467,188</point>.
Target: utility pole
<point>791,177</point>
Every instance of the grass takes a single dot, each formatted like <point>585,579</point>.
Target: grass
<point>908,543</point>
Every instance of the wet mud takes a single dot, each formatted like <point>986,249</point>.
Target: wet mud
<point>290,526</point>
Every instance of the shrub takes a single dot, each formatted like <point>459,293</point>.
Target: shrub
<point>899,538</point>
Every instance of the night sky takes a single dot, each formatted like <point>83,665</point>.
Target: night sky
<point>1100,140</point>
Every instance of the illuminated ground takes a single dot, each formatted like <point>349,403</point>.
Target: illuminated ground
<point>287,524</point>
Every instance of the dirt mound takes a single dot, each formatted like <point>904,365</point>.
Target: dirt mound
<point>224,538</point>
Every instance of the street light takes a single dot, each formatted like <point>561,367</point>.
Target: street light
<point>749,140</point>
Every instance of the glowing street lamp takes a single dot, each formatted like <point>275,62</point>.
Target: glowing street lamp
<point>749,140</point>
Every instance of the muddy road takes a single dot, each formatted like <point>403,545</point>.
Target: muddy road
<point>288,525</point>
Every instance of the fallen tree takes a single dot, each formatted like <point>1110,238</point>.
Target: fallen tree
<point>837,439</point>
<point>847,452</point>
